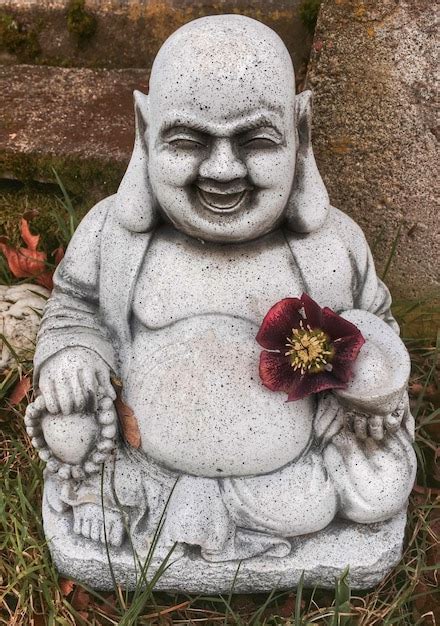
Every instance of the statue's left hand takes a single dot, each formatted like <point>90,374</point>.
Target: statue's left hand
<point>376,426</point>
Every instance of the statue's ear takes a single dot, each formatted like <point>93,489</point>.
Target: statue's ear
<point>309,203</point>
<point>137,208</point>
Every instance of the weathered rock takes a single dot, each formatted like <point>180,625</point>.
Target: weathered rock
<point>79,121</point>
<point>372,73</point>
<point>21,308</point>
<point>115,33</point>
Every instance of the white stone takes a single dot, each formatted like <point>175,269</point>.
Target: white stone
<point>21,307</point>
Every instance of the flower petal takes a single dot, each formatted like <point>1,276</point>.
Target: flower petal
<point>278,323</point>
<point>336,326</point>
<point>343,367</point>
<point>347,348</point>
<point>313,311</point>
<point>308,384</point>
<point>276,373</point>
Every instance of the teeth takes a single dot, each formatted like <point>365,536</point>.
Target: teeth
<point>221,201</point>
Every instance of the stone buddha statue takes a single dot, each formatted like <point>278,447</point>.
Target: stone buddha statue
<point>221,214</point>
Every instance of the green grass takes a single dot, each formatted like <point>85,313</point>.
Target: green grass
<point>44,206</point>
<point>32,594</point>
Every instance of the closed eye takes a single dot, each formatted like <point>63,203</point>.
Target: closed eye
<point>260,138</point>
<point>186,143</point>
<point>184,138</point>
<point>259,143</point>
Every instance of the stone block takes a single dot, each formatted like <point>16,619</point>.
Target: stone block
<point>373,76</point>
<point>368,550</point>
<point>79,121</point>
<point>129,34</point>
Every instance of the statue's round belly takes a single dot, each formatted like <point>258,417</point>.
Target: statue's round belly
<point>201,408</point>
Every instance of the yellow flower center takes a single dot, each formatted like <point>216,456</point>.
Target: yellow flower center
<point>309,350</point>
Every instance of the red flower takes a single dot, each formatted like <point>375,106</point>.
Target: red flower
<point>311,349</point>
<point>29,262</point>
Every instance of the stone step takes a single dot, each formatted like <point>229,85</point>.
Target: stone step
<point>77,120</point>
<point>117,33</point>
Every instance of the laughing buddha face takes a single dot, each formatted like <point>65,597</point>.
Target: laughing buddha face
<point>220,129</point>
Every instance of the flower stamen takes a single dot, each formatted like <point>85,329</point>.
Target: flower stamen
<point>309,350</point>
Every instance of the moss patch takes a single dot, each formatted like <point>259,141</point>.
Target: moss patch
<point>308,12</point>
<point>91,178</point>
<point>39,204</point>
<point>80,22</point>
<point>16,39</point>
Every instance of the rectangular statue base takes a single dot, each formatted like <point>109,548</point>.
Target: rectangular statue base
<point>370,551</point>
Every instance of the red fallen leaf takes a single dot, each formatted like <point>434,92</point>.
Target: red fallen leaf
<point>434,430</point>
<point>415,389</point>
<point>29,262</point>
<point>20,390</point>
<point>84,615</point>
<point>30,240</point>
<point>429,393</point>
<point>287,608</point>
<point>45,280</point>
<point>426,602</point>
<point>81,599</point>
<point>66,586</point>
<point>129,424</point>
<point>58,255</point>
<point>25,262</point>
<point>426,490</point>
<point>109,606</point>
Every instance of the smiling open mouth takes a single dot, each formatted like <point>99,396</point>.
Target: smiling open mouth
<point>221,202</point>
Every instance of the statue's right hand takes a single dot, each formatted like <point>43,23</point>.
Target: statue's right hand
<point>69,381</point>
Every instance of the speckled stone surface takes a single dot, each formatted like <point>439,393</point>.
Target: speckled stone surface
<point>221,214</point>
<point>373,74</point>
<point>370,551</point>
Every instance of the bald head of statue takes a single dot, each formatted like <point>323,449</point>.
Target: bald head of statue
<point>219,133</point>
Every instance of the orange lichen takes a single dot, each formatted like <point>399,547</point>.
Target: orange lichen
<point>342,145</point>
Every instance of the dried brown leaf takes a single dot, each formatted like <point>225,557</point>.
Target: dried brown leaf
<point>129,424</point>
<point>81,599</point>
<point>20,390</point>
<point>66,586</point>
